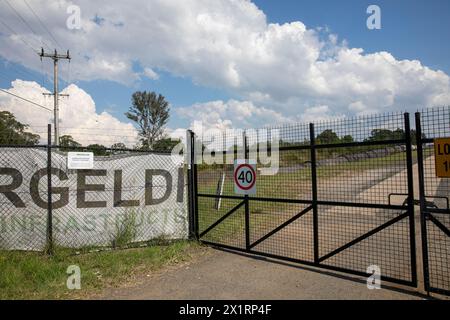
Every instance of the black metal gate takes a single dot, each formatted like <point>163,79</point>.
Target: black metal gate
<point>341,198</point>
<point>434,203</point>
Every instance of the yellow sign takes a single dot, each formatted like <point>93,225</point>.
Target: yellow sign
<point>442,157</point>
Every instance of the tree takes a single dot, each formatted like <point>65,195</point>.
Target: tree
<point>118,145</point>
<point>13,131</point>
<point>97,149</point>
<point>67,141</point>
<point>117,148</point>
<point>151,113</point>
<point>347,139</point>
<point>327,136</point>
<point>414,136</point>
<point>165,144</point>
<point>397,134</point>
<point>386,134</point>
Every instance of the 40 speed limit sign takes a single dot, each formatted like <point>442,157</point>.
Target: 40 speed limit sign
<point>244,177</point>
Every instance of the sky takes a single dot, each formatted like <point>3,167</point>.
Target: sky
<point>226,63</point>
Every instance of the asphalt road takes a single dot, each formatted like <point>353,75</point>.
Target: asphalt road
<point>224,275</point>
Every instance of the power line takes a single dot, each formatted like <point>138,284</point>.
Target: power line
<point>44,73</point>
<point>92,129</point>
<point>42,24</point>
<point>25,22</point>
<point>16,75</point>
<point>97,134</point>
<point>15,33</point>
<point>5,78</point>
<point>34,103</point>
<point>20,73</point>
<point>29,27</point>
<point>23,72</point>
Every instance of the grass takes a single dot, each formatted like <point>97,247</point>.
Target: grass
<point>125,230</point>
<point>31,275</point>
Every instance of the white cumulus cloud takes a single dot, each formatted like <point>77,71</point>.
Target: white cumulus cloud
<point>285,68</point>
<point>149,73</point>
<point>217,114</point>
<point>78,115</point>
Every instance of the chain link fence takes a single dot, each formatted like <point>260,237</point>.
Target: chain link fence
<point>128,197</point>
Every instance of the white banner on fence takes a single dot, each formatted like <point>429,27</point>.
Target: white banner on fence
<point>124,198</point>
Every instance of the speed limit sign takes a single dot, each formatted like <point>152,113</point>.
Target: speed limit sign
<point>244,177</point>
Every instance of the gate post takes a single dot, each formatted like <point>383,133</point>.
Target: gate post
<point>195,185</point>
<point>312,140</point>
<point>423,220</point>
<point>247,211</point>
<point>49,234</point>
<point>191,183</point>
<point>410,200</point>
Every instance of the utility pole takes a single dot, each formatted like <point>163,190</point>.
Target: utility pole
<point>55,56</point>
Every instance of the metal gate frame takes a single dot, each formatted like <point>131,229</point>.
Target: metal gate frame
<point>427,211</point>
<point>407,208</point>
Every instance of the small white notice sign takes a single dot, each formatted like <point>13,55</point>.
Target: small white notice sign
<point>80,160</point>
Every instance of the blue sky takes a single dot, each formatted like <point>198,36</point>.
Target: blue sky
<point>416,29</point>
<point>410,30</point>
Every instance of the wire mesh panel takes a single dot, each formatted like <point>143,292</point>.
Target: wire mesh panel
<point>365,162</point>
<point>438,244</point>
<point>282,229</point>
<point>435,123</point>
<point>284,169</point>
<point>290,179</point>
<point>231,230</point>
<point>346,241</point>
<point>357,174</point>
<point>338,195</point>
<point>367,171</point>
<point>215,179</point>
<point>375,127</point>
<point>23,200</point>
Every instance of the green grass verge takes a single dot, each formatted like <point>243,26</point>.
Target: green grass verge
<point>31,275</point>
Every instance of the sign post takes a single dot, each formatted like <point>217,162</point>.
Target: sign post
<point>244,177</point>
<point>442,157</point>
